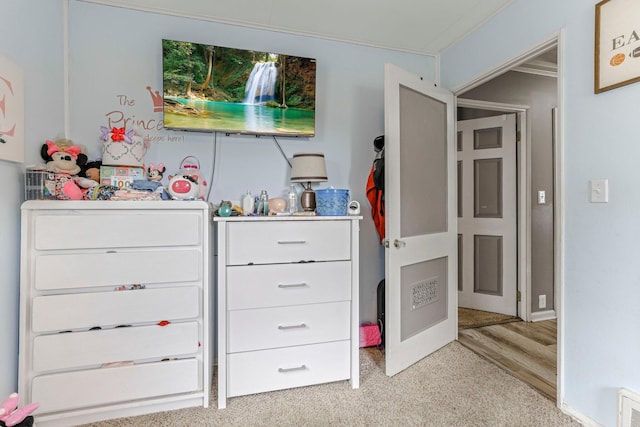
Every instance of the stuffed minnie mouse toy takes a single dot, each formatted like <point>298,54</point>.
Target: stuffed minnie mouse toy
<point>65,159</point>
<point>156,172</point>
<point>62,158</point>
<point>11,415</point>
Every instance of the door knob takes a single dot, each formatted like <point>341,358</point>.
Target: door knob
<point>399,244</point>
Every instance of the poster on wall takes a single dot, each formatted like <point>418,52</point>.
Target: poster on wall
<point>11,111</point>
<point>617,44</point>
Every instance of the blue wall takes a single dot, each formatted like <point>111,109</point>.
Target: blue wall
<point>115,53</point>
<point>34,42</point>
<point>601,276</point>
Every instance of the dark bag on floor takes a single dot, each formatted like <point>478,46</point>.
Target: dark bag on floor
<point>381,309</point>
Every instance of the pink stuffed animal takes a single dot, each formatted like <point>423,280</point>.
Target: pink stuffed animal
<point>11,415</point>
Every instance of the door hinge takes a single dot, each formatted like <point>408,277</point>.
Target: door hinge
<point>519,296</point>
<point>518,136</point>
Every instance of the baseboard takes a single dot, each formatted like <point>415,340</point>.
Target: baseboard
<point>579,416</point>
<point>539,316</point>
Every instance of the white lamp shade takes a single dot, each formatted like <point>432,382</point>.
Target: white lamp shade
<point>308,167</point>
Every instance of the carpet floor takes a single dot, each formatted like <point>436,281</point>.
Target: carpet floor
<point>451,387</point>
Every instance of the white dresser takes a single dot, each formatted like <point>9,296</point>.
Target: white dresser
<point>288,311</point>
<point>114,308</point>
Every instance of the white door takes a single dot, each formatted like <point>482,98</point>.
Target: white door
<point>487,215</point>
<point>420,219</point>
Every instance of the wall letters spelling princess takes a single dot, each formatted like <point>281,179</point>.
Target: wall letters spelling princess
<point>125,116</point>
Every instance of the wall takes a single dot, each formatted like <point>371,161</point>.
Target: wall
<point>115,53</point>
<point>601,279</point>
<point>38,53</point>
<point>110,70</point>
<point>539,93</point>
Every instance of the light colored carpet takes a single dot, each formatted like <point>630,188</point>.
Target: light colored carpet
<point>468,318</point>
<point>451,387</point>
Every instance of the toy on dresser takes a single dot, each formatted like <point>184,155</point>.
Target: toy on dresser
<point>153,181</point>
<point>156,172</point>
<point>188,183</point>
<point>65,161</point>
<point>92,170</point>
<point>11,415</point>
<point>183,187</point>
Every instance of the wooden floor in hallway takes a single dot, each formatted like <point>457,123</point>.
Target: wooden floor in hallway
<point>527,350</point>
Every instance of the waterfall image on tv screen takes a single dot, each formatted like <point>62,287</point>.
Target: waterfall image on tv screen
<point>211,88</point>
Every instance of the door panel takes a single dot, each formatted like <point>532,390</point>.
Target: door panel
<point>422,304</point>
<point>423,171</point>
<point>420,218</point>
<point>487,214</point>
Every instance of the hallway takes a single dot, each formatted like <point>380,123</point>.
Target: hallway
<point>526,350</point>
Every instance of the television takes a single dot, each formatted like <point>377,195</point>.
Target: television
<point>209,88</point>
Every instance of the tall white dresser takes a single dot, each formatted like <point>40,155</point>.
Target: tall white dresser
<point>114,308</point>
<point>288,312</point>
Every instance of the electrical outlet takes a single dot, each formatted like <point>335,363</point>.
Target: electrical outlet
<point>542,301</point>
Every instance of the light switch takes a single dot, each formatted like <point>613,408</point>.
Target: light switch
<point>542,197</point>
<point>599,190</point>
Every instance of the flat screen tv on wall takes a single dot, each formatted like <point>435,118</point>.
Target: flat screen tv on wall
<point>210,88</point>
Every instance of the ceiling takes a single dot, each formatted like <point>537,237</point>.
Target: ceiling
<point>417,26</point>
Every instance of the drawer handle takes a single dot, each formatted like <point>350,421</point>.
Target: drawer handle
<point>299,368</point>
<point>291,242</point>
<point>292,285</point>
<point>284,328</point>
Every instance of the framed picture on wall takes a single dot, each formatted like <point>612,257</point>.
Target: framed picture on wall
<point>11,111</point>
<point>617,44</point>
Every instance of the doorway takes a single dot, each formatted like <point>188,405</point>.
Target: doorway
<point>531,81</point>
<point>487,214</point>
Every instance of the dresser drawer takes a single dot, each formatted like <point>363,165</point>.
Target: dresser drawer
<point>280,242</point>
<point>272,285</point>
<point>277,369</point>
<point>115,268</point>
<point>84,349</point>
<point>98,387</point>
<point>105,309</point>
<point>285,326</point>
<point>109,229</point>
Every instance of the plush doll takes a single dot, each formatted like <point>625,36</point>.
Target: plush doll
<point>11,415</point>
<point>91,170</point>
<point>65,159</point>
<point>156,172</point>
<point>62,157</point>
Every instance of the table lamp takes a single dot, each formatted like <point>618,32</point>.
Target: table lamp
<point>308,168</point>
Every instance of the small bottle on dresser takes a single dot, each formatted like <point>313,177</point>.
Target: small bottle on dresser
<point>263,204</point>
<point>292,199</point>
<point>248,203</point>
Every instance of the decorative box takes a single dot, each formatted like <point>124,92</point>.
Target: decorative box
<point>122,147</point>
<point>120,176</point>
<point>41,184</point>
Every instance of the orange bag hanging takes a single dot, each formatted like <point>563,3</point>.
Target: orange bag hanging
<point>376,199</point>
